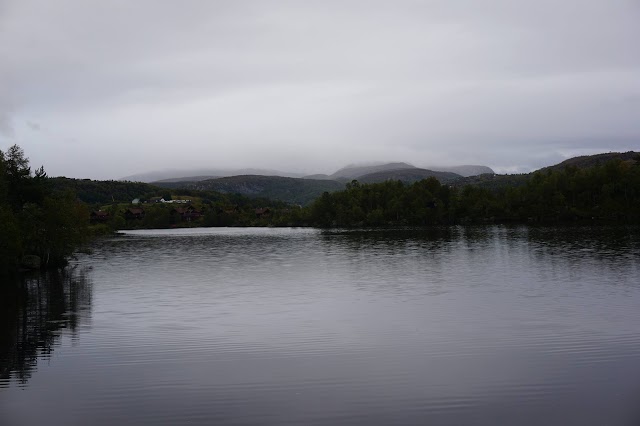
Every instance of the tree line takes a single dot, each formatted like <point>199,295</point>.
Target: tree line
<point>204,210</point>
<point>605,193</point>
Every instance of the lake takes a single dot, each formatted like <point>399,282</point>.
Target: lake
<point>271,326</point>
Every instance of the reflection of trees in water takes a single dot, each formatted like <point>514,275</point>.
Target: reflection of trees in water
<point>34,315</point>
<point>602,243</point>
<point>602,240</point>
<point>393,238</point>
<point>608,245</point>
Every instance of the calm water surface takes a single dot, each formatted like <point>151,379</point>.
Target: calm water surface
<point>452,326</point>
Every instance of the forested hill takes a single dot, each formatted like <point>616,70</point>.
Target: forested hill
<point>605,193</point>
<point>104,191</point>
<point>496,182</point>
<point>351,172</point>
<point>407,175</point>
<point>290,190</point>
<point>302,191</point>
<point>594,160</point>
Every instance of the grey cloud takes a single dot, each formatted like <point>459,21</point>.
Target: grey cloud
<point>33,126</point>
<point>6,129</point>
<point>316,85</point>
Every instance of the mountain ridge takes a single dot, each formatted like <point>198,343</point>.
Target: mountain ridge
<point>408,176</point>
<point>303,190</point>
<point>464,170</point>
<point>173,175</point>
<point>354,171</point>
<point>584,161</point>
<point>344,174</point>
<point>288,189</point>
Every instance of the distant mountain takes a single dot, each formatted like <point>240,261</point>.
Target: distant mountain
<point>304,190</point>
<point>345,174</point>
<point>408,176</point>
<point>465,171</point>
<point>176,175</point>
<point>287,189</point>
<point>320,176</point>
<point>355,171</point>
<point>585,161</point>
<point>189,179</point>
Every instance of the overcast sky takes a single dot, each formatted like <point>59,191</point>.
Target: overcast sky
<point>106,89</point>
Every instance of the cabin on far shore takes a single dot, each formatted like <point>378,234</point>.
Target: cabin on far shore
<point>134,213</point>
<point>186,214</point>
<point>263,212</point>
<point>99,216</point>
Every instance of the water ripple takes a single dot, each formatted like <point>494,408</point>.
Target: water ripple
<point>486,325</point>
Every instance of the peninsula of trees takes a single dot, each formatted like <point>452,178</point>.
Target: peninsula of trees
<point>38,228</point>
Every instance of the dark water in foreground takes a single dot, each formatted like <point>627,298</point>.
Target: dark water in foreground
<point>459,326</point>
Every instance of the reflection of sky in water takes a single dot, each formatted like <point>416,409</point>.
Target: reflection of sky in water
<point>453,325</point>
